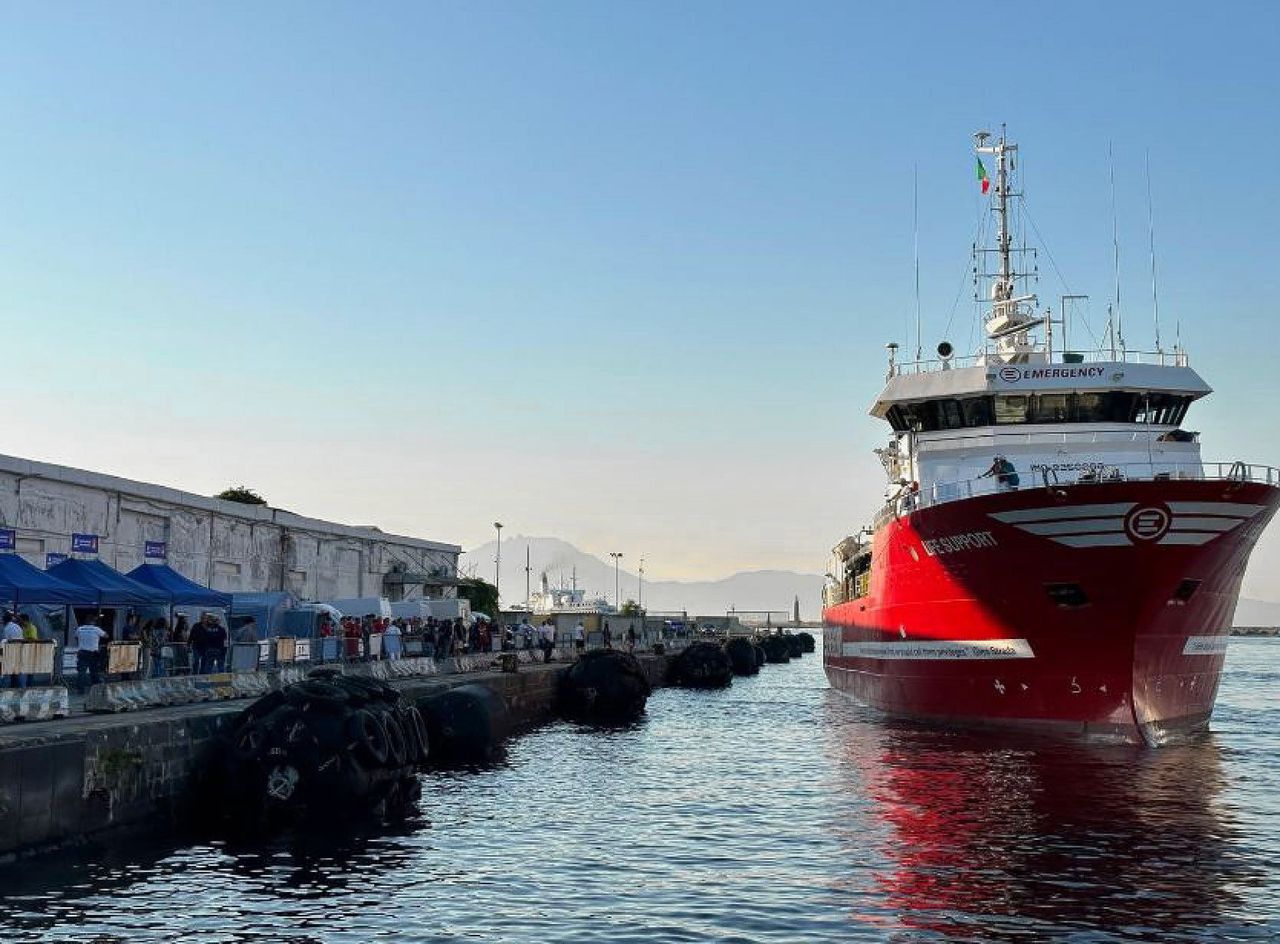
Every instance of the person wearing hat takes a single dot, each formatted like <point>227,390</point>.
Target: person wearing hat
<point>1005,474</point>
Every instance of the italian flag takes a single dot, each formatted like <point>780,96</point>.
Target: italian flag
<point>982,177</point>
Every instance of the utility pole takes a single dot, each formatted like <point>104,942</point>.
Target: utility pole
<point>617,595</point>
<point>497,564</point>
<point>640,587</point>
<point>528,571</point>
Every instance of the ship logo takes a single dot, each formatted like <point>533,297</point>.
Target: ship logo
<point>1147,523</point>
<point>1124,524</point>
<point>1010,374</point>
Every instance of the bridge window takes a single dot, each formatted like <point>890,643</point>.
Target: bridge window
<point>1050,408</point>
<point>1165,409</point>
<point>1010,410</point>
<point>977,412</point>
<point>947,415</point>
<point>1117,406</point>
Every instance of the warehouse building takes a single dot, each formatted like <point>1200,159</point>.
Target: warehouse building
<point>48,512</point>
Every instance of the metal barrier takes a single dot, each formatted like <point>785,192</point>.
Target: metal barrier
<point>29,657</point>
<point>245,657</point>
<point>123,658</point>
<point>285,650</point>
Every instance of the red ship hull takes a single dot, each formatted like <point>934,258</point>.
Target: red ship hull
<point>1098,609</point>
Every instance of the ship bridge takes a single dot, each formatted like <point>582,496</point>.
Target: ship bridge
<point>1025,407</point>
<point>1041,422</point>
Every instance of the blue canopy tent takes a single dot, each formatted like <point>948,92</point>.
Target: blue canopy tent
<point>108,587</point>
<point>23,582</point>
<point>181,590</point>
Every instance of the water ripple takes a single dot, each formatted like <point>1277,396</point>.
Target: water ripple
<point>773,811</point>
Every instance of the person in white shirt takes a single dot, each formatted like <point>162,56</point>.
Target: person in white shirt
<point>89,638</point>
<point>391,641</point>
<point>580,637</point>
<point>547,633</point>
<point>12,631</point>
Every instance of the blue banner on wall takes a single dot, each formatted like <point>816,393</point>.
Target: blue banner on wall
<point>156,550</point>
<point>84,544</point>
<point>8,539</point>
<point>51,559</point>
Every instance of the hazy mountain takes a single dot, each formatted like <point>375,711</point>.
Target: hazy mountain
<point>752,590</point>
<point>1257,613</point>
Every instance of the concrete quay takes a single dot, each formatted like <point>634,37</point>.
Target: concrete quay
<point>72,779</point>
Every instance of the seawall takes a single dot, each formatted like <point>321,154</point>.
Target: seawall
<point>71,779</point>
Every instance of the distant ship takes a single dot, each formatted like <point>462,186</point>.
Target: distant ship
<point>566,598</point>
<point>1053,552</point>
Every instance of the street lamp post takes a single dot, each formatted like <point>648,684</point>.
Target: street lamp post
<point>617,594</point>
<point>497,565</point>
<point>640,586</point>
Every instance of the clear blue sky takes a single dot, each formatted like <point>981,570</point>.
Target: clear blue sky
<point>615,272</point>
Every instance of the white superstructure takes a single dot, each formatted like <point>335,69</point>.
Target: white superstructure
<point>1017,412</point>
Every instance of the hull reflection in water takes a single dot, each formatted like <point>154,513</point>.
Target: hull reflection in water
<point>1023,834</point>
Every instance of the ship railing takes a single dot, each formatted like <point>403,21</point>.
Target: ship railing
<point>1081,473</point>
<point>931,364</point>
<point>1157,358</point>
<point>1052,437</point>
<point>990,358</point>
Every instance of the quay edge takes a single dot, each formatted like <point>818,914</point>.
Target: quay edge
<point>89,777</point>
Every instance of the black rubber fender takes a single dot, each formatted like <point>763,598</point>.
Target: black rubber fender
<point>416,730</point>
<point>261,708</point>
<point>250,742</point>
<point>465,724</point>
<point>742,655</point>
<point>604,686</point>
<point>397,743</point>
<point>368,736</point>
<point>703,664</point>
<point>316,692</point>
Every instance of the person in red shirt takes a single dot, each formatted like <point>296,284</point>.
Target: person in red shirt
<point>353,636</point>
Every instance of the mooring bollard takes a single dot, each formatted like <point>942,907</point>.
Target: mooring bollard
<point>510,661</point>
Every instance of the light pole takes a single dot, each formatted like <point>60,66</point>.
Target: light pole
<point>497,565</point>
<point>617,595</point>
<point>640,586</point>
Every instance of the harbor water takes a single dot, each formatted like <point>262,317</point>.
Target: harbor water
<point>772,811</point>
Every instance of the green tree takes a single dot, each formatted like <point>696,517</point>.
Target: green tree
<point>482,595</point>
<point>242,494</point>
<point>630,608</point>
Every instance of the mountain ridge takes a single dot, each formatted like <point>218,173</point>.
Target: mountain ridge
<point>758,589</point>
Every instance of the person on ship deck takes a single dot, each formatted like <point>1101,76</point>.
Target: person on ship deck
<point>1006,475</point>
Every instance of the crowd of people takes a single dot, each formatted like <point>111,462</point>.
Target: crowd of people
<point>437,638</point>
<point>179,646</point>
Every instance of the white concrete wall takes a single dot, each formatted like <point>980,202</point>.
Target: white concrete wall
<point>225,545</point>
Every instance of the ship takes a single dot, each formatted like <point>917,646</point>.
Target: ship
<point>566,598</point>
<point>1053,552</point>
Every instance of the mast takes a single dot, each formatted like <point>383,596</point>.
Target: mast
<point>1002,210</point>
<point>1011,316</point>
